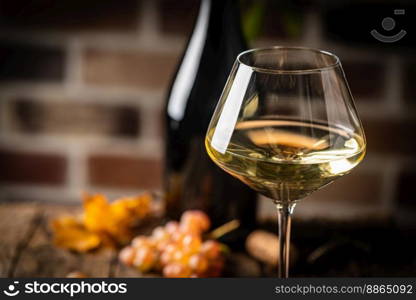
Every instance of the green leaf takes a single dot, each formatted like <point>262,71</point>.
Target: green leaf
<point>253,20</point>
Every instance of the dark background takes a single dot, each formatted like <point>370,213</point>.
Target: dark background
<point>82,87</point>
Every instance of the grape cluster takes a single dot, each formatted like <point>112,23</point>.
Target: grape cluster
<point>177,249</point>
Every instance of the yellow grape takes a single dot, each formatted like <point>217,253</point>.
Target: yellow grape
<point>170,247</point>
<point>190,226</point>
<point>180,256</point>
<point>211,249</point>
<point>177,248</point>
<point>198,263</point>
<point>196,218</point>
<point>161,238</point>
<point>145,258</point>
<point>178,236</point>
<point>191,243</point>
<point>126,255</point>
<point>166,255</point>
<point>140,241</point>
<point>166,258</point>
<point>161,245</point>
<point>76,274</point>
<point>159,234</point>
<point>171,227</point>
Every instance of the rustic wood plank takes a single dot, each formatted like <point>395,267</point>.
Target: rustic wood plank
<point>241,265</point>
<point>27,244</point>
<point>124,271</point>
<point>42,259</point>
<point>17,224</point>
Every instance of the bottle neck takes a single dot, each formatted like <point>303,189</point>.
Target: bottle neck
<point>222,19</point>
<point>216,38</point>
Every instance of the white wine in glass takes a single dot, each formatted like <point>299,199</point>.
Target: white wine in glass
<point>286,126</point>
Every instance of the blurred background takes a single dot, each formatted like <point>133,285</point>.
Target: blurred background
<point>83,86</point>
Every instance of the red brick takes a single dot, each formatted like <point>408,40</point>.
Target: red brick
<point>366,79</point>
<point>124,172</point>
<point>390,136</point>
<point>32,168</point>
<point>74,118</point>
<point>177,17</point>
<point>21,61</point>
<point>128,68</point>
<point>70,15</point>
<point>161,123</point>
<point>282,20</point>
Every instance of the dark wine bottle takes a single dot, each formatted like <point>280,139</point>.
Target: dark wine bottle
<point>192,180</point>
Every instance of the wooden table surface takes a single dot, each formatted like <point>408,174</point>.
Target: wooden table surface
<point>26,248</point>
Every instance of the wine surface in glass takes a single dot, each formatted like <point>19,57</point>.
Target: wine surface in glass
<point>286,160</point>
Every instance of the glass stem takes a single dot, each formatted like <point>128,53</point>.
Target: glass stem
<point>284,212</point>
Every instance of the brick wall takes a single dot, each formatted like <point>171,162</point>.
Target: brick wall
<point>82,85</point>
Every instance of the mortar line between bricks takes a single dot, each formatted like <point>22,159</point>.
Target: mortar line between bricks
<point>106,41</point>
<point>73,76</point>
<point>148,21</point>
<point>58,144</point>
<point>3,117</point>
<point>77,169</point>
<point>391,169</point>
<point>313,30</point>
<point>392,89</point>
<point>152,99</point>
<point>149,99</point>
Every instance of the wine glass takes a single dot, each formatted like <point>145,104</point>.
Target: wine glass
<point>286,126</point>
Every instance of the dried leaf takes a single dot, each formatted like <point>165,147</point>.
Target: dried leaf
<point>69,233</point>
<point>102,223</point>
<point>129,209</point>
<point>125,213</point>
<point>97,213</point>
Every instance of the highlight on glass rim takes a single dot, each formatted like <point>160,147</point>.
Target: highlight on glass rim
<point>247,139</point>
